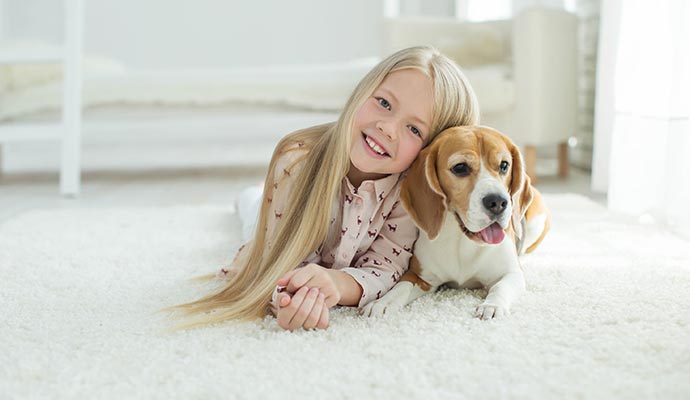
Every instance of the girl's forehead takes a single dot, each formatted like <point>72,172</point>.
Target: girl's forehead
<point>413,91</point>
<point>405,77</point>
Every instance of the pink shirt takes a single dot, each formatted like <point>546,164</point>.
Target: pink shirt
<point>370,236</point>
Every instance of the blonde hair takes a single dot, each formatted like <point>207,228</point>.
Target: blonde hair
<point>306,217</point>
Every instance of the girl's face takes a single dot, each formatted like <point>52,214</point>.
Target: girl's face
<point>392,126</point>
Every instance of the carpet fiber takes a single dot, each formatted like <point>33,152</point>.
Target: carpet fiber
<point>606,315</point>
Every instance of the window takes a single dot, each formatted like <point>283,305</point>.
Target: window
<point>478,10</point>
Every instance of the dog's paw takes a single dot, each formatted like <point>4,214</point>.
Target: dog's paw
<point>488,311</point>
<point>390,303</point>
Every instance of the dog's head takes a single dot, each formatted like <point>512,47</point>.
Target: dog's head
<point>476,173</point>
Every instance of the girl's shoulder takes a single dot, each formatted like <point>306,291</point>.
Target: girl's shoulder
<point>289,156</point>
<point>295,147</point>
<point>303,139</point>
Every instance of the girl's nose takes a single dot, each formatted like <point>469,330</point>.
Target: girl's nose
<point>387,128</point>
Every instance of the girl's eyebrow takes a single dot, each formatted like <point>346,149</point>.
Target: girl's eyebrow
<point>395,100</point>
<point>389,93</point>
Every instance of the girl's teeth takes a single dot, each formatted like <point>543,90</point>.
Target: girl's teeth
<point>375,147</point>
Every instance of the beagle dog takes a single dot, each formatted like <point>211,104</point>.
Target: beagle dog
<point>477,212</point>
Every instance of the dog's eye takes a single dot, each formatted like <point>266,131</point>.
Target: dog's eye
<point>504,167</point>
<point>461,169</point>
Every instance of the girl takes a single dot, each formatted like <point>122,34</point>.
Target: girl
<point>330,200</point>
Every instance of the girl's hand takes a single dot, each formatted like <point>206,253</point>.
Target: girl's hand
<point>306,309</point>
<point>313,276</point>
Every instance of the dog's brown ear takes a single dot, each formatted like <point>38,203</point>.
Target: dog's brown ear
<point>421,193</point>
<point>520,189</point>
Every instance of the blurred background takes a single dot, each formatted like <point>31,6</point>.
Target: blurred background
<point>157,102</point>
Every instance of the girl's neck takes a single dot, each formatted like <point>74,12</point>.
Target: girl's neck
<point>356,176</point>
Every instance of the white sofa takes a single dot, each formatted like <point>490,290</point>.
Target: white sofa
<point>524,71</point>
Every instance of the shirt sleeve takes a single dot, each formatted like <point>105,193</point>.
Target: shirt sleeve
<point>382,265</point>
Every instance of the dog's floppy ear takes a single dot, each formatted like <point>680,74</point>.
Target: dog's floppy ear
<point>421,193</point>
<point>520,189</point>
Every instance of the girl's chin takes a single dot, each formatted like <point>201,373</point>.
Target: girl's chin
<point>365,173</point>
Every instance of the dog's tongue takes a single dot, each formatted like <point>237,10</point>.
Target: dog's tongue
<point>492,234</point>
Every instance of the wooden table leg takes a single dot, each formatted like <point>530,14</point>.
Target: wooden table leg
<point>563,161</point>
<point>531,162</point>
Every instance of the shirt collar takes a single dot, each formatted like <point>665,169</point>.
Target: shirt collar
<point>382,187</point>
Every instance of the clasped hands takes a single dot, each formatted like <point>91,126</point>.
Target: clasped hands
<point>309,292</point>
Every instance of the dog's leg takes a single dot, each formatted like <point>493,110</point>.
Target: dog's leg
<point>403,293</point>
<point>501,296</point>
<point>410,287</point>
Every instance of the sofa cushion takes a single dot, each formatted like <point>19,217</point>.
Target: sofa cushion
<point>494,87</point>
<point>481,44</point>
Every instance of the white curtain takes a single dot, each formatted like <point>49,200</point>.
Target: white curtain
<point>642,122</point>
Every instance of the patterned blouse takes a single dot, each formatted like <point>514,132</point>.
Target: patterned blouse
<point>370,236</point>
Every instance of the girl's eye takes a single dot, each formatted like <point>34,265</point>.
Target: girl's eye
<point>384,103</point>
<point>415,130</point>
<point>503,169</point>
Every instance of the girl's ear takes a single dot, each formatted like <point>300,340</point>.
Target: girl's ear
<point>520,189</point>
<point>421,193</point>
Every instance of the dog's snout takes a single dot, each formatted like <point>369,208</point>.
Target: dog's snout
<point>495,203</point>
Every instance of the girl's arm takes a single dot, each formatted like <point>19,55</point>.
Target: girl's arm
<point>380,267</point>
<point>374,273</point>
<point>350,290</point>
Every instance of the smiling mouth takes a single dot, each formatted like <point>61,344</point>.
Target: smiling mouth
<point>374,146</point>
<point>492,234</point>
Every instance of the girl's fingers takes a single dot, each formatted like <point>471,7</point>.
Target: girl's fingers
<point>315,314</point>
<point>286,278</point>
<point>323,319</point>
<point>304,309</point>
<point>283,300</point>
<point>331,301</point>
<point>285,314</point>
<point>327,289</point>
<point>299,279</point>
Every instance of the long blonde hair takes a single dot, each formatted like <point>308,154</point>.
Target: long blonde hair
<point>305,220</point>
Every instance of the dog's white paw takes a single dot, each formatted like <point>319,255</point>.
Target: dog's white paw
<point>390,303</point>
<point>488,311</point>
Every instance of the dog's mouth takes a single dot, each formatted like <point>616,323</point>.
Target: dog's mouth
<point>492,234</point>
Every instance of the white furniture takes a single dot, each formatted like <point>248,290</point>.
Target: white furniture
<point>68,129</point>
<point>524,71</point>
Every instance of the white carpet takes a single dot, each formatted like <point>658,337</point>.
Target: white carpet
<point>606,315</point>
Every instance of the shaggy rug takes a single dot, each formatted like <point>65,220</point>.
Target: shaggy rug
<point>606,315</point>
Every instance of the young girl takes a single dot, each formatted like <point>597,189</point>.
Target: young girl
<point>330,228</point>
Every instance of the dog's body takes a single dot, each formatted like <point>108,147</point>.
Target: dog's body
<point>476,211</point>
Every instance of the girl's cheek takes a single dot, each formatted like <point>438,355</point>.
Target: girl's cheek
<point>417,147</point>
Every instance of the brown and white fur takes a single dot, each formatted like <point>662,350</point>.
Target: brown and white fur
<point>477,211</point>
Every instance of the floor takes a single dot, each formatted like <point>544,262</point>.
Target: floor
<point>166,157</point>
<point>151,156</point>
<point>22,192</point>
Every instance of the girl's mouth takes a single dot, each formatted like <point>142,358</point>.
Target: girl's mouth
<point>374,147</point>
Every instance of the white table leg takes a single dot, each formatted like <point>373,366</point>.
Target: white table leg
<point>70,168</point>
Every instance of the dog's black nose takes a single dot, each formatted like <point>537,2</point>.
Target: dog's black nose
<point>495,203</point>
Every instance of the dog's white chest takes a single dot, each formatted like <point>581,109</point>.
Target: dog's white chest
<point>455,258</point>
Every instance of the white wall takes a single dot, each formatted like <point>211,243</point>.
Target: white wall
<point>211,33</point>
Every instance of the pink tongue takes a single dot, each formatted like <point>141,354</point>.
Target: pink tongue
<point>493,234</point>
